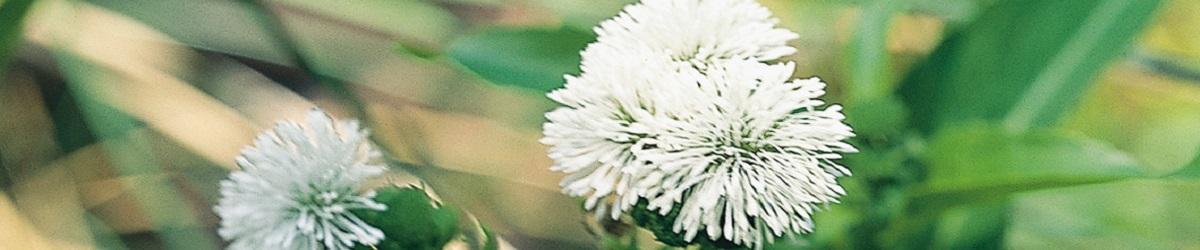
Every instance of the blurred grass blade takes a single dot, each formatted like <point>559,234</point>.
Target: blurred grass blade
<point>870,66</point>
<point>534,59</point>
<point>983,162</point>
<point>12,16</point>
<point>983,71</point>
<point>1058,87</point>
<point>167,210</point>
<point>425,26</point>
<point>272,22</point>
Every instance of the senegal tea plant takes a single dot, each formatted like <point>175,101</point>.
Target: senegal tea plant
<point>298,185</point>
<point>679,113</point>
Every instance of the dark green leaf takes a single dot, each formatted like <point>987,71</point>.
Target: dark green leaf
<point>12,16</point>
<point>1023,61</point>
<point>978,226</point>
<point>877,117</point>
<point>533,59</point>
<point>981,162</point>
<point>412,220</point>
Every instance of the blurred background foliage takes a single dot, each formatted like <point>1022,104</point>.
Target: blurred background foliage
<point>982,123</point>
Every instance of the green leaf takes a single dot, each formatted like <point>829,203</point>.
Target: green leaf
<point>412,220</point>
<point>870,71</point>
<point>12,17</point>
<point>1190,171</point>
<point>1141,214</point>
<point>974,163</point>
<point>876,118</point>
<point>533,59</point>
<point>1022,61</point>
<point>977,226</point>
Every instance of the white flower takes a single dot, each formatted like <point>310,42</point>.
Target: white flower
<point>699,31</point>
<point>753,154</point>
<point>676,107</point>
<point>297,186</point>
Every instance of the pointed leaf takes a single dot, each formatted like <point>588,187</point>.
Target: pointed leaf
<point>533,59</point>
<point>981,162</point>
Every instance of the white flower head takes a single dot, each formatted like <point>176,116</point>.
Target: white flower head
<point>677,109</point>
<point>699,31</point>
<point>297,186</point>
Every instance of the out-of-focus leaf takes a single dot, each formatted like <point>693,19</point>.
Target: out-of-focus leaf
<point>1174,39</point>
<point>1192,170</point>
<point>1022,61</point>
<point>954,13</point>
<point>870,69</point>
<point>1143,214</point>
<point>533,59</point>
<point>584,14</point>
<point>877,117</point>
<point>982,162</point>
<point>12,16</point>
<point>1155,119</point>
<point>412,220</point>
<point>978,226</point>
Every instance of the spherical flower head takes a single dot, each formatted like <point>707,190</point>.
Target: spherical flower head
<point>751,157</point>
<point>298,185</point>
<point>699,31</point>
<point>743,152</point>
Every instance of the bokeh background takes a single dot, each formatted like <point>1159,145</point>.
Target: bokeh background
<point>1026,124</point>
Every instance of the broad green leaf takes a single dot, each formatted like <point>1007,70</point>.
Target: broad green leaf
<point>412,220</point>
<point>533,58</point>
<point>1143,214</point>
<point>1023,61</point>
<point>978,162</point>
<point>12,16</point>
